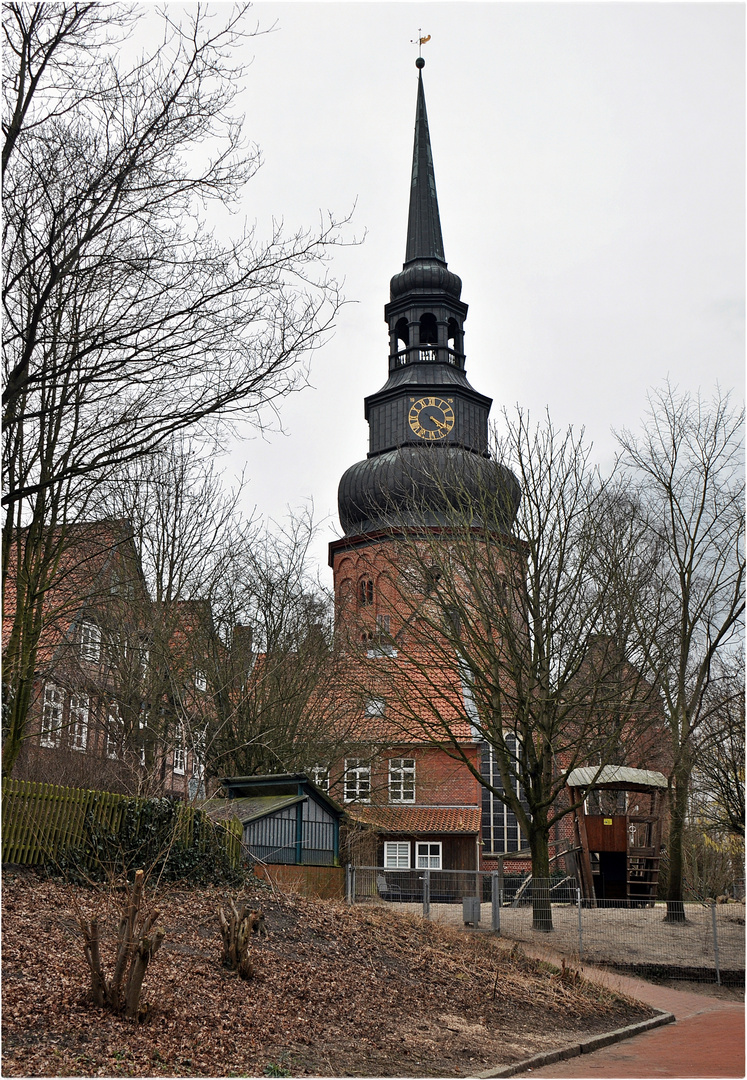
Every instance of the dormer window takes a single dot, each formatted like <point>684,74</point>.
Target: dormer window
<point>90,641</point>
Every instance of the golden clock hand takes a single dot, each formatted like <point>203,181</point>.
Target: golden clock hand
<point>438,423</point>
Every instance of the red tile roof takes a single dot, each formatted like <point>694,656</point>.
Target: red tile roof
<point>420,819</point>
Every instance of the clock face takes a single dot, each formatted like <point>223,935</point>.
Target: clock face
<point>431,418</point>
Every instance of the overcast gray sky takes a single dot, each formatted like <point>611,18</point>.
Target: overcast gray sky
<point>589,162</point>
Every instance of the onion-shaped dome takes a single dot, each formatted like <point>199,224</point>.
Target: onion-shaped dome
<point>425,276</point>
<point>427,486</point>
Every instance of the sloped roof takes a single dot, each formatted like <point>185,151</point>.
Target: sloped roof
<point>616,774</point>
<point>420,819</point>
<point>248,808</point>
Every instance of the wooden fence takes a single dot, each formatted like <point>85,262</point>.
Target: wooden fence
<point>40,820</point>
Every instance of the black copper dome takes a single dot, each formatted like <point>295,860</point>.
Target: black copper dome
<point>427,486</point>
<point>425,276</point>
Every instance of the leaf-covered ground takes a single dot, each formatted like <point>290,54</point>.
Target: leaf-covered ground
<point>338,992</point>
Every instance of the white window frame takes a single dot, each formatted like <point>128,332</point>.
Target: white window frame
<point>428,859</point>
<point>114,732</point>
<point>200,681</point>
<point>397,854</point>
<point>90,641</point>
<point>375,706</point>
<point>144,658</point>
<point>198,754</point>
<point>383,623</point>
<point>319,775</point>
<point>52,712</point>
<point>401,780</point>
<point>357,784</point>
<point>80,709</point>
<point>180,754</point>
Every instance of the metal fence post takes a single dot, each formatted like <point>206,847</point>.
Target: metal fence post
<point>580,927</point>
<point>348,891</point>
<point>426,894</point>
<point>495,901</point>
<point>715,943</point>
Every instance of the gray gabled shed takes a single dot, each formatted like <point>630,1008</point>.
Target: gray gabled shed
<point>286,819</point>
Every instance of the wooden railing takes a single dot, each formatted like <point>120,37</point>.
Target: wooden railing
<point>41,820</point>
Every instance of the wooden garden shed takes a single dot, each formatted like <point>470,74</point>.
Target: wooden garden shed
<point>286,819</point>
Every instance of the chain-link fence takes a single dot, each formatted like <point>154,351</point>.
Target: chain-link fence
<point>694,941</point>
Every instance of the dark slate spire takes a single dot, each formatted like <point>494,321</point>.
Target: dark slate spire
<point>424,238</point>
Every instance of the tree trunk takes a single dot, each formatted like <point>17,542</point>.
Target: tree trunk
<point>90,932</point>
<point>236,929</point>
<point>539,845</point>
<point>135,949</point>
<point>678,807</point>
<point>145,950</point>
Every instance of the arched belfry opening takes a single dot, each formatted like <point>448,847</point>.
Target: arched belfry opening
<point>428,329</point>
<point>402,333</point>
<point>455,336</point>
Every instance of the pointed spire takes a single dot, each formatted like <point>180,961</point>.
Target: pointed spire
<point>424,238</point>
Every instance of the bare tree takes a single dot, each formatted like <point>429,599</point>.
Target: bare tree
<point>126,320</point>
<point>687,467</point>
<point>279,684</point>
<point>718,779</point>
<point>505,638</point>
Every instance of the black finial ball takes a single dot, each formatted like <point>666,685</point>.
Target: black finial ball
<point>420,62</point>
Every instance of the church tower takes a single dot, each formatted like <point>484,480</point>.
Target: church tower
<point>428,427</point>
<point>428,456</point>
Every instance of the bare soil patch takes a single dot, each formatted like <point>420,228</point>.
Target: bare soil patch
<point>339,992</point>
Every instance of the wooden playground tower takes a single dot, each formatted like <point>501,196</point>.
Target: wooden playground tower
<point>617,853</point>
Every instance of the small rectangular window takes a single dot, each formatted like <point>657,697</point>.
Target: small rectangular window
<point>382,624</point>
<point>427,856</point>
<point>114,731</point>
<point>90,641</point>
<point>402,780</point>
<point>357,787</point>
<point>198,754</point>
<point>180,755</point>
<point>79,708</point>
<point>396,855</point>
<point>51,718</point>
<point>200,681</point>
<point>319,775</point>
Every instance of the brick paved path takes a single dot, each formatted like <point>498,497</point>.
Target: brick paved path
<point>706,1041</point>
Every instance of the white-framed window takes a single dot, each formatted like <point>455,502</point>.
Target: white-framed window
<point>427,855</point>
<point>198,753</point>
<point>375,706</point>
<point>144,658</point>
<point>142,727</point>
<point>357,786</point>
<point>383,623</point>
<point>79,710</point>
<point>90,641</point>
<point>114,731</point>
<point>51,718</point>
<point>381,649</point>
<point>402,779</point>
<point>180,754</point>
<point>200,681</point>
<point>396,855</point>
<point>319,775</point>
